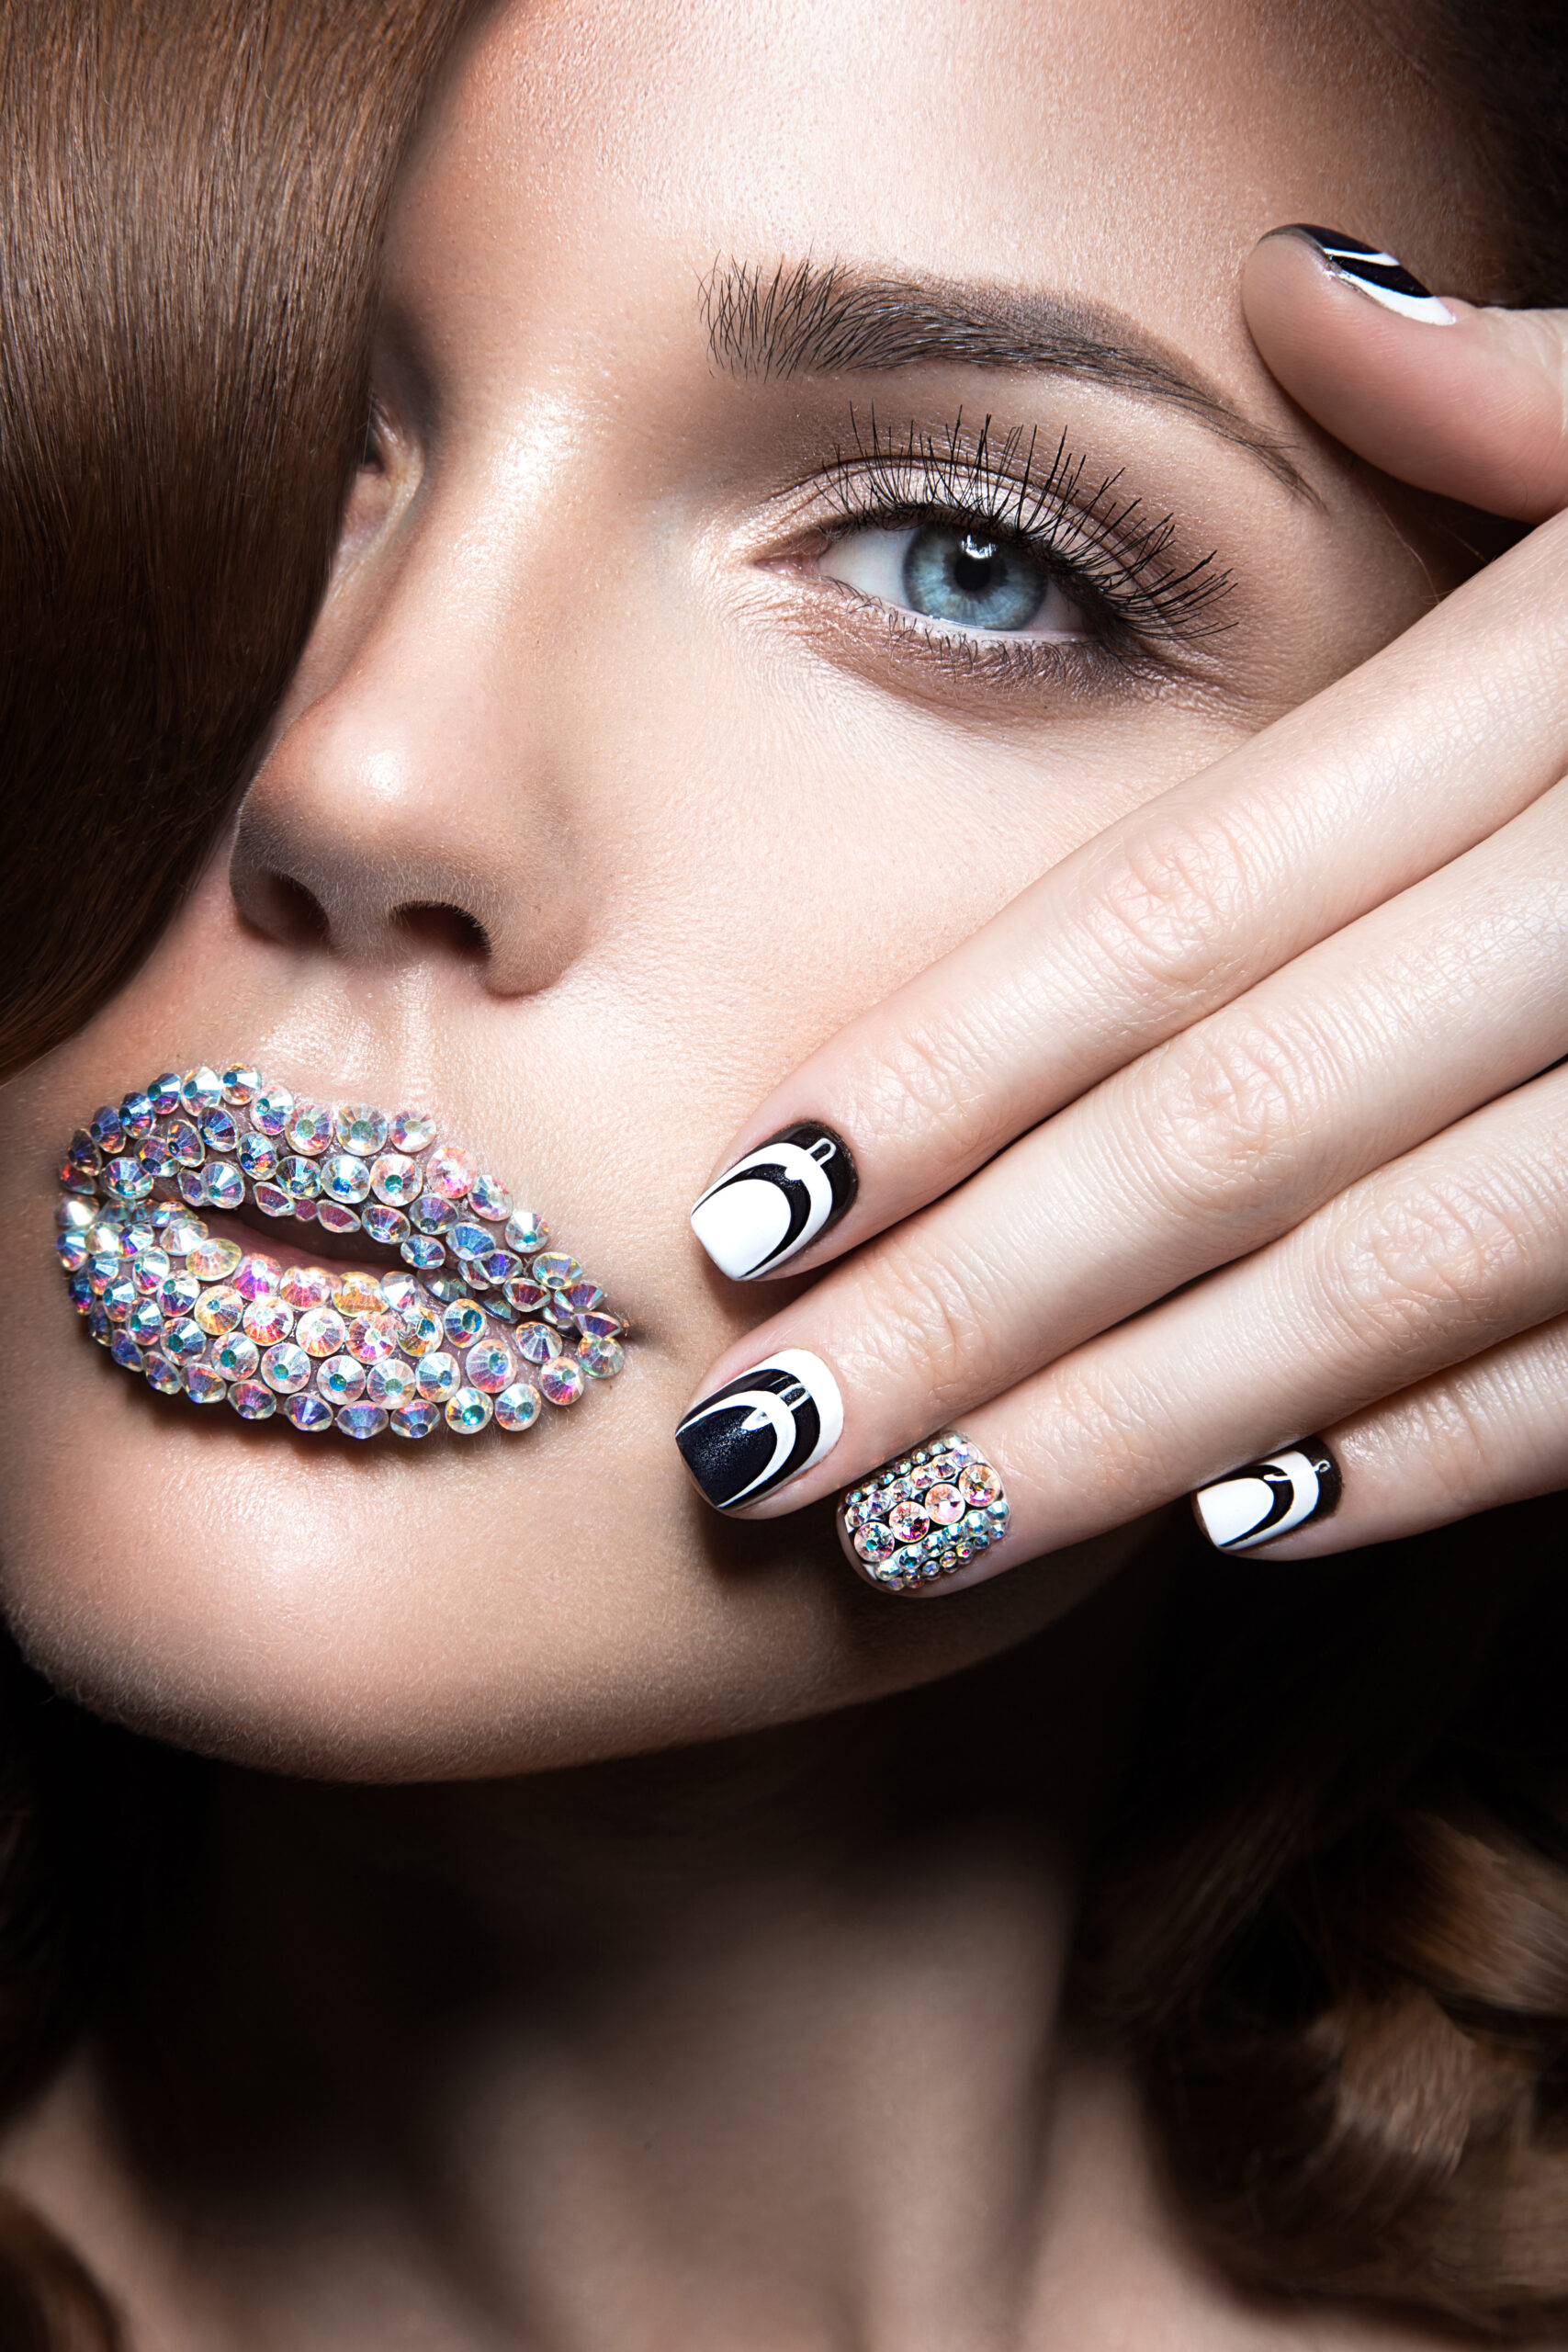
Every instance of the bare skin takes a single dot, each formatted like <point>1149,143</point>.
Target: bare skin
<point>756,2044</point>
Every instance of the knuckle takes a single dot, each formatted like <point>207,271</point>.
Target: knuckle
<point>925,1317</point>
<point>1107,1434</point>
<point>1169,896</point>
<point>1221,1113</point>
<point>1421,1265</point>
<point>929,1075</point>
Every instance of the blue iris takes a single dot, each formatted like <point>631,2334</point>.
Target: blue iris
<point>954,575</point>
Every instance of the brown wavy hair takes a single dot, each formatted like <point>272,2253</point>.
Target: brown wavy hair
<point>1331,1929</point>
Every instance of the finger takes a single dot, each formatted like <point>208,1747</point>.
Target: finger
<point>1491,1431</point>
<point>1206,1150</point>
<point>1472,403</point>
<point>1383,779</point>
<point>1446,1254</point>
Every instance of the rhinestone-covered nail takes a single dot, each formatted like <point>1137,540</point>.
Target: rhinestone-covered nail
<point>925,1515</point>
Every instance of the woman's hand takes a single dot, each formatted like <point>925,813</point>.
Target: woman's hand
<point>1242,1122</point>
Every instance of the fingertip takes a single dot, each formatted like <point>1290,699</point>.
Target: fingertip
<point>1465,402</point>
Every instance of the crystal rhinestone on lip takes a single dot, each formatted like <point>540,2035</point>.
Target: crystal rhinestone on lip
<point>487,1367</point>
<point>252,1401</point>
<point>390,1383</point>
<point>464,1322</point>
<point>217,1311</point>
<point>257,1277</point>
<point>271,1109</point>
<point>410,1131</point>
<point>561,1381</point>
<point>415,1420</point>
<point>385,1224</point>
<point>286,1368</point>
<point>215,1320</point>
<point>419,1332</point>
<point>309,1413</point>
<point>267,1320</point>
<point>395,1178</point>
<point>345,1178</point>
<point>309,1128</point>
<point>451,1172</point>
<point>322,1331</point>
<point>517,1408</point>
<point>467,1412</point>
<point>305,1286</point>
<point>437,1376</point>
<point>488,1198</point>
<point>372,1336</point>
<point>236,1356</point>
<point>360,1128</point>
<point>361,1420</point>
<point>340,1380</point>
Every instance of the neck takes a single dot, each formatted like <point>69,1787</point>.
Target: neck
<point>714,2047</point>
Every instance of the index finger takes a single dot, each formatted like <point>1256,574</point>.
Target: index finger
<point>1386,775</point>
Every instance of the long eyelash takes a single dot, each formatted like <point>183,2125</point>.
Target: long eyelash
<point>1104,546</point>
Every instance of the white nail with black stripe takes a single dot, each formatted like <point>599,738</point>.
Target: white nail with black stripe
<point>1265,1499</point>
<point>758,1431</point>
<point>1382,276</point>
<point>774,1203</point>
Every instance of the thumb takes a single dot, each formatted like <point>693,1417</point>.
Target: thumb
<point>1469,402</point>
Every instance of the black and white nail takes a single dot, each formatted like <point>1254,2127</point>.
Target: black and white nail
<point>756,1433</point>
<point>1267,1498</point>
<point>1381,274</point>
<point>775,1202</point>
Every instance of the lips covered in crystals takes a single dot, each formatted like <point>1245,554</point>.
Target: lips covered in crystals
<point>482,1324</point>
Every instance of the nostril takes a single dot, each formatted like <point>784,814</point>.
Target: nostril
<point>449,930</point>
<point>287,911</point>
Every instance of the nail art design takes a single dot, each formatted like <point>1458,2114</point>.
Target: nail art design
<point>925,1515</point>
<point>757,1432</point>
<point>1381,274</point>
<point>474,1322</point>
<point>1267,1498</point>
<point>774,1201</point>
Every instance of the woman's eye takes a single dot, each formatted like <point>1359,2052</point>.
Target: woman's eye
<point>962,573</point>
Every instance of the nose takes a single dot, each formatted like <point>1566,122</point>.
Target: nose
<point>411,809</point>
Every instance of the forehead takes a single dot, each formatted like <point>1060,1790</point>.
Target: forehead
<point>589,155</point>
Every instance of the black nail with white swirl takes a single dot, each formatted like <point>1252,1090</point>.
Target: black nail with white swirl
<point>757,1432</point>
<point>775,1202</point>
<point>1265,1499</point>
<point>1381,274</point>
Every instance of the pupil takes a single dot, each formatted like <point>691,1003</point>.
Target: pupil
<point>954,574</point>
<point>974,565</point>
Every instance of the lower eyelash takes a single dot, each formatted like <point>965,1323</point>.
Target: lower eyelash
<point>1105,550</point>
<point>996,658</point>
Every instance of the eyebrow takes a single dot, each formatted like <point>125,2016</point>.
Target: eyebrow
<point>811,319</point>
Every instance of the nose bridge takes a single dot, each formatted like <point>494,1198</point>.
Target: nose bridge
<point>411,802</point>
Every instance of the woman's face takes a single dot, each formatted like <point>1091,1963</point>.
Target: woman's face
<point>666,710</point>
